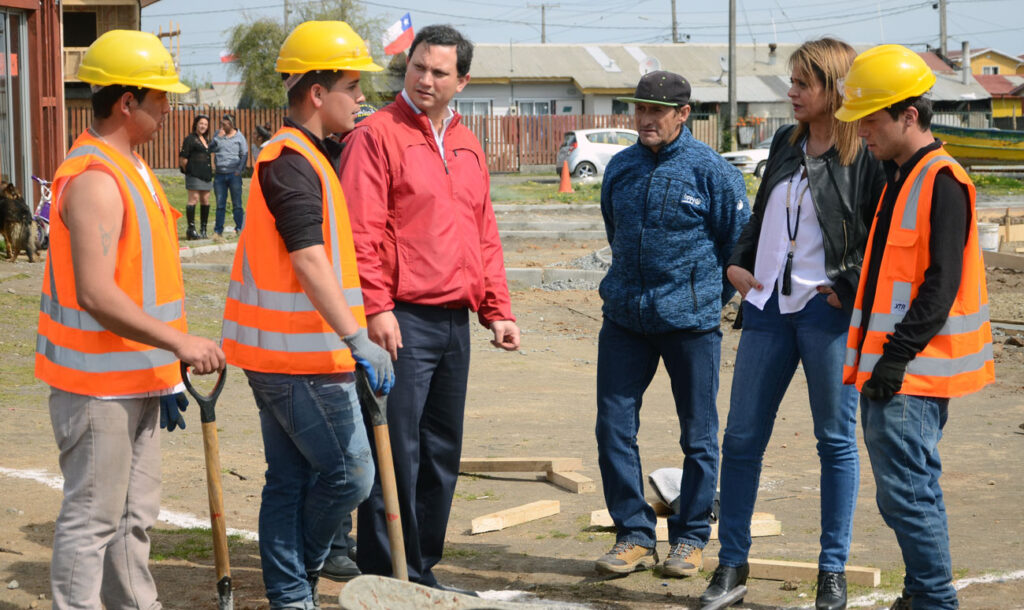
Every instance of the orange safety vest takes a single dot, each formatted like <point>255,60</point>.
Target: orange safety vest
<point>270,325</point>
<point>76,353</point>
<point>958,359</point>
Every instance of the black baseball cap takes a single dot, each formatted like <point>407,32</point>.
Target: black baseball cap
<point>661,87</point>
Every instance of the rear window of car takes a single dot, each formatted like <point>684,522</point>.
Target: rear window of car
<point>597,137</point>
<point>570,138</point>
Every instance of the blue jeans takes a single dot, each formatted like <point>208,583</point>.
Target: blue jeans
<point>626,363</point>
<point>770,347</point>
<point>319,469</point>
<point>222,183</point>
<point>902,437</point>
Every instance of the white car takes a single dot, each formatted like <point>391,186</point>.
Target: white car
<point>589,150</point>
<point>751,160</point>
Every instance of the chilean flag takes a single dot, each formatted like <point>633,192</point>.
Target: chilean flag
<point>399,36</point>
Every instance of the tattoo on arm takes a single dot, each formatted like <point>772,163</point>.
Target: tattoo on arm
<point>106,238</point>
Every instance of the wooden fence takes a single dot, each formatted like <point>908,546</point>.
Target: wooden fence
<point>509,142</point>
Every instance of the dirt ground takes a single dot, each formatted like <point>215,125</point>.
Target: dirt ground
<point>537,402</point>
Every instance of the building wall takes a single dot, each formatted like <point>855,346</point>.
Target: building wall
<point>505,96</point>
<point>1006,64</point>
<point>1003,107</point>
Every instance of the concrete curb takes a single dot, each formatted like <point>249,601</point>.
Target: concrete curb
<point>567,235</point>
<point>545,207</point>
<point>190,252</point>
<point>536,277</point>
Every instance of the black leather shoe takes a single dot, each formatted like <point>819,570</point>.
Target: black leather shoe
<point>190,233</point>
<point>452,589</point>
<point>728,587</point>
<point>313,578</point>
<point>339,568</point>
<point>831,591</point>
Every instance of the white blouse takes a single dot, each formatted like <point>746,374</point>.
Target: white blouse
<point>808,271</point>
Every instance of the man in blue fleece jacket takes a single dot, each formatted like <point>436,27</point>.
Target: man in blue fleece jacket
<point>673,209</point>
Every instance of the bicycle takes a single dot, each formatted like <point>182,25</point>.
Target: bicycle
<point>41,215</point>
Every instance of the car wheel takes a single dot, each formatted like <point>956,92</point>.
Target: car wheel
<point>585,169</point>
<point>759,170</point>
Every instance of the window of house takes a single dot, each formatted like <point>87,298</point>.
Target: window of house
<point>473,107</point>
<point>534,108</point>
<point>79,28</point>
<point>620,107</point>
<point>990,70</point>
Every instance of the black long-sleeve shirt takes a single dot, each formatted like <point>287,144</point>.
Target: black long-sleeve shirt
<point>291,188</point>
<point>950,218</point>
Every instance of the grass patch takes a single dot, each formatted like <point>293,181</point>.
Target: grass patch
<point>997,185</point>
<point>188,544</point>
<point>177,195</point>
<point>458,553</point>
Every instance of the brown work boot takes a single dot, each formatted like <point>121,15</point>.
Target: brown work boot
<point>626,557</point>
<point>683,560</point>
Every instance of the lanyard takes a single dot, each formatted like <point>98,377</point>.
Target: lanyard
<point>787,284</point>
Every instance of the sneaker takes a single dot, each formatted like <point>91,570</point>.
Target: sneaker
<point>626,557</point>
<point>903,602</point>
<point>218,237</point>
<point>683,560</point>
<point>727,587</point>
<point>831,591</point>
<point>339,568</point>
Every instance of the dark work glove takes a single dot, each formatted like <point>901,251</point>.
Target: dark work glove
<point>374,359</point>
<point>886,379</point>
<point>171,408</point>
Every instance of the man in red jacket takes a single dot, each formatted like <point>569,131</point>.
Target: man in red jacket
<point>427,244</point>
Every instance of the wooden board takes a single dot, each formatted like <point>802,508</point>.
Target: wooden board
<point>528,464</point>
<point>762,524</point>
<point>572,481</point>
<point>769,569</point>
<point>514,516</point>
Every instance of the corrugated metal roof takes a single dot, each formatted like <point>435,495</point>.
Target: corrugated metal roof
<point>999,84</point>
<point>615,69</point>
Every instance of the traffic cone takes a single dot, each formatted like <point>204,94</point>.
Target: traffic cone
<point>566,185</point>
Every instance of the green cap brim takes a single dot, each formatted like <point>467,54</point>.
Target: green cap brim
<point>634,100</point>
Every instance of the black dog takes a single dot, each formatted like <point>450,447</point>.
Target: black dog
<point>16,223</point>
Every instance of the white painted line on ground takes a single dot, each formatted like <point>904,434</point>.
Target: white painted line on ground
<point>167,516</point>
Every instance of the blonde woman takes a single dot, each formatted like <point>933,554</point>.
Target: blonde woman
<point>797,264</point>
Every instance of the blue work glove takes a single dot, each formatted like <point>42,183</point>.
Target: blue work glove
<point>374,359</point>
<point>171,408</point>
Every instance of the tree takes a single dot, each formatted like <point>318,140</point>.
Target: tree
<point>256,44</point>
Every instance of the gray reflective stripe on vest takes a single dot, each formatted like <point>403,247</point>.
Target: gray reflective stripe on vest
<point>954,325</point>
<point>247,293</point>
<point>851,357</point>
<point>909,221</point>
<point>332,222</point>
<point>855,318</point>
<point>936,367</point>
<point>107,362</point>
<point>282,342</point>
<point>82,320</point>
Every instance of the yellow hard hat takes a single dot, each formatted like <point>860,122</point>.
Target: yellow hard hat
<point>131,58</point>
<point>324,45</point>
<point>880,77</point>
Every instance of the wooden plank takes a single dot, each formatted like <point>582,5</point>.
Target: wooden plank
<point>528,464</point>
<point>514,516</point>
<point>572,481</point>
<point>770,569</point>
<point>762,524</point>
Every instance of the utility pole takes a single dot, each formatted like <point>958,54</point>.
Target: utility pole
<point>942,28</point>
<point>675,25</point>
<point>544,6</point>
<point>285,17</point>
<point>732,75</point>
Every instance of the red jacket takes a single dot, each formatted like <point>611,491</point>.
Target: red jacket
<point>424,228</point>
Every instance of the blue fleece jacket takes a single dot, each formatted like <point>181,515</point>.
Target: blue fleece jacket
<point>672,219</point>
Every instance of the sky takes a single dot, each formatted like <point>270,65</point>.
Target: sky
<point>984,23</point>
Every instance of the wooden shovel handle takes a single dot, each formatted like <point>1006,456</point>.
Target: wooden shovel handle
<point>392,513</point>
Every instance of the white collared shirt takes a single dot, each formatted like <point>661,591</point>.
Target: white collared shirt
<point>438,135</point>
<point>808,270</point>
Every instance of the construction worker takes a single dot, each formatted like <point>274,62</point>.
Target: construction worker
<point>920,329</point>
<point>294,316</point>
<point>673,209</point>
<point>112,329</point>
<point>429,252</point>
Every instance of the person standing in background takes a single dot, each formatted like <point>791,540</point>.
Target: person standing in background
<point>230,155</point>
<point>195,162</point>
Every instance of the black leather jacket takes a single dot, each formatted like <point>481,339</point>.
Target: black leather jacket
<point>845,199</point>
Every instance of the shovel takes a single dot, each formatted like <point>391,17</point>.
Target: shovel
<point>213,488</point>
<point>376,408</point>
